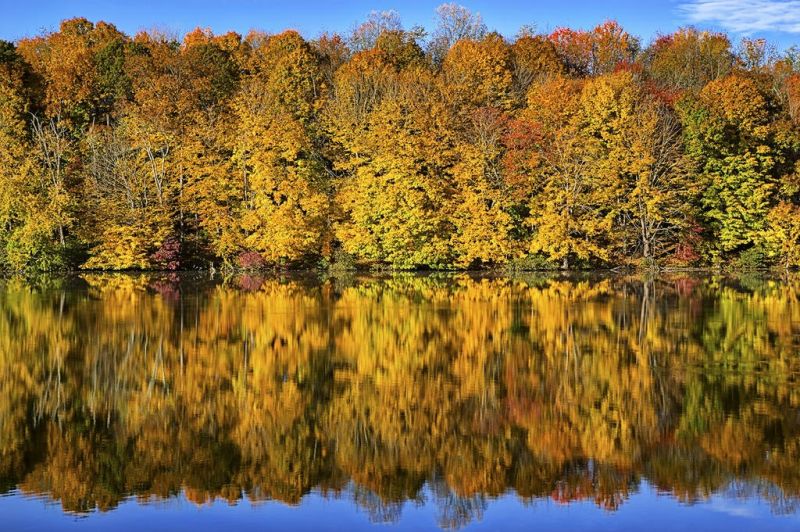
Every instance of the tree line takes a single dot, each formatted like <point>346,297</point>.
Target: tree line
<point>400,148</point>
<point>112,386</point>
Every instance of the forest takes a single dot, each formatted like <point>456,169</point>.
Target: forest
<point>397,148</point>
<point>372,389</point>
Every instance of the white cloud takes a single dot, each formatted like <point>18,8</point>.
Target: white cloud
<point>745,16</point>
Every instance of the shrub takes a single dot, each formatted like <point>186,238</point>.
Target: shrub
<point>251,260</point>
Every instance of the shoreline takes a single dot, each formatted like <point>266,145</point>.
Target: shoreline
<point>415,272</point>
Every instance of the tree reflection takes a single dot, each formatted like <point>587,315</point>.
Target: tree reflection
<point>398,390</point>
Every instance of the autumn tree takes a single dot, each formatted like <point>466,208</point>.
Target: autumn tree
<point>79,78</point>
<point>534,60</point>
<point>730,137</point>
<point>612,47</point>
<point>689,58</point>
<point>333,52</point>
<point>285,209</point>
<point>210,187</point>
<point>478,82</point>
<point>782,236</point>
<point>595,52</point>
<point>81,68</point>
<point>173,144</point>
<point>479,73</point>
<point>126,186</point>
<point>393,192</point>
<point>570,205</point>
<point>639,153</point>
<point>128,181</point>
<point>27,236</point>
<point>481,205</point>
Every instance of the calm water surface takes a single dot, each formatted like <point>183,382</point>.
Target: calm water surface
<point>415,402</point>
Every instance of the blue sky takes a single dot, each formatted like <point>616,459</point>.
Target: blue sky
<point>777,20</point>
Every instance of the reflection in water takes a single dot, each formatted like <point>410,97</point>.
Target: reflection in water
<point>410,388</point>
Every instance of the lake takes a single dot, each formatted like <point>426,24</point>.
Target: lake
<point>415,402</point>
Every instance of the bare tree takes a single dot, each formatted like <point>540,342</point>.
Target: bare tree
<point>365,35</point>
<point>455,22</point>
<point>111,165</point>
<point>51,139</point>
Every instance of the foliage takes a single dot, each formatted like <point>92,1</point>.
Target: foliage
<point>403,149</point>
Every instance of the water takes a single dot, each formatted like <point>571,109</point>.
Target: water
<point>159,402</point>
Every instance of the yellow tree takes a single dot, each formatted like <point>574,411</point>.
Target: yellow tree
<point>660,192</point>
<point>569,206</point>
<point>479,73</point>
<point>160,177</point>
<point>81,76</point>
<point>610,181</point>
<point>211,189</point>
<point>26,238</point>
<point>477,83</point>
<point>481,202</point>
<point>689,58</point>
<point>783,234</point>
<point>639,159</point>
<point>391,127</point>
<point>82,66</point>
<point>534,60</point>
<point>129,179</point>
<point>286,204</point>
<point>125,184</point>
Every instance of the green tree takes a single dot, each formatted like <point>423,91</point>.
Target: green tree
<point>730,136</point>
